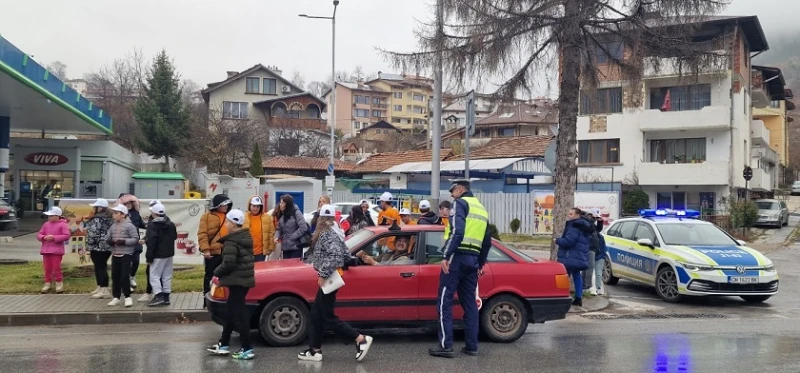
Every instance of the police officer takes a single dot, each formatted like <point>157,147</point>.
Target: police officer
<point>466,250</point>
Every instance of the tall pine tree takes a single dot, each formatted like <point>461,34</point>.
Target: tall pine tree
<point>256,164</point>
<point>161,115</point>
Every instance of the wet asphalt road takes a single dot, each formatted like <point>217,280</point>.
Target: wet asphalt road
<point>574,345</point>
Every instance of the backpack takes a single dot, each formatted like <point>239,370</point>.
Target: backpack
<point>594,242</point>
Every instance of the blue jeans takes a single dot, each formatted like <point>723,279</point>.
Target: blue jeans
<point>577,281</point>
<point>293,254</point>
<point>598,272</point>
<point>260,258</point>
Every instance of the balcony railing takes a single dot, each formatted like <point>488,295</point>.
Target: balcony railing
<point>707,118</point>
<point>759,133</point>
<point>704,173</point>
<point>671,67</point>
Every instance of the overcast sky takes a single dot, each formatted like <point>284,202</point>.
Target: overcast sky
<point>207,38</point>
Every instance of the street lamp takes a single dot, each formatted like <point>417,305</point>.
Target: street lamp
<point>333,86</point>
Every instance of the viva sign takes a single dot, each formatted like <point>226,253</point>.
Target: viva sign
<point>46,159</point>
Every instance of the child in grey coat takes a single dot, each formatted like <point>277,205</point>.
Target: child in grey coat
<point>123,238</point>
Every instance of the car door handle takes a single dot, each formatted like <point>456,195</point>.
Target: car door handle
<point>407,274</point>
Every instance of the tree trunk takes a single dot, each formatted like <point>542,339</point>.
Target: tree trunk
<point>165,167</point>
<point>569,94</point>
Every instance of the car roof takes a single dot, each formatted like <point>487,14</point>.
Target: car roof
<point>409,228</point>
<point>767,200</point>
<point>660,220</point>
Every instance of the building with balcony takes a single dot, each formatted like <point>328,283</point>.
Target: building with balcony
<point>233,98</point>
<point>537,118</point>
<point>682,139</point>
<point>410,98</point>
<point>359,106</point>
<point>770,106</point>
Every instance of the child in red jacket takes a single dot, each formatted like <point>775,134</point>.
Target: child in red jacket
<point>53,234</point>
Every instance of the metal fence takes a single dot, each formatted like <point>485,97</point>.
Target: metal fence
<point>502,207</point>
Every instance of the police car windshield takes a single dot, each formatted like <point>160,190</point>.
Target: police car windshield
<point>689,234</point>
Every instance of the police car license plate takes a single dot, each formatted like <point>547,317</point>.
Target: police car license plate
<point>744,280</point>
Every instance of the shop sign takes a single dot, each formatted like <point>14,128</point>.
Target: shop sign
<point>46,159</point>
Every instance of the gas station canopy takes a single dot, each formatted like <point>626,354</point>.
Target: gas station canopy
<point>37,101</point>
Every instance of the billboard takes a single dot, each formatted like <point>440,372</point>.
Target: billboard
<point>544,203</point>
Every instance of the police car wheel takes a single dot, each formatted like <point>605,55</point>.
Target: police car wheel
<point>608,277</point>
<point>284,322</point>
<point>755,298</point>
<point>667,285</point>
<point>503,319</point>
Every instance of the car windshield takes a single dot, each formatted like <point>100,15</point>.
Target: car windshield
<point>764,205</point>
<point>522,255</point>
<point>344,209</point>
<point>358,238</point>
<point>693,234</point>
<point>3,203</point>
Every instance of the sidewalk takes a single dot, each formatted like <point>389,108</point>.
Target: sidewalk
<point>57,309</point>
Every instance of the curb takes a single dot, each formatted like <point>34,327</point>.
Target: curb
<point>597,303</point>
<point>85,318</point>
<point>791,235</point>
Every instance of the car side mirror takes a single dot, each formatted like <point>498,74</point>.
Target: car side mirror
<point>646,242</point>
<point>741,243</point>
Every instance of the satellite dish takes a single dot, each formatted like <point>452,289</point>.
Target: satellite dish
<point>550,156</point>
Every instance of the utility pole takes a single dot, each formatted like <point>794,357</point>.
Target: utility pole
<point>436,129</point>
<point>469,130</point>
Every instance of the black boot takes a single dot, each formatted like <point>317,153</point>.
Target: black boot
<point>166,299</point>
<point>438,351</point>
<point>158,300</point>
<point>577,302</point>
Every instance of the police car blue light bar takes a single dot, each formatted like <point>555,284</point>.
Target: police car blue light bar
<point>651,213</point>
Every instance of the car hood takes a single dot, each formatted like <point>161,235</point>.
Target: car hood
<point>280,265</point>
<point>723,255</point>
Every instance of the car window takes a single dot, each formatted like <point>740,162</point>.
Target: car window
<point>644,231</point>
<point>358,238</point>
<point>383,248</point>
<point>496,255</point>
<point>613,230</point>
<point>766,205</point>
<point>783,205</point>
<point>433,244</point>
<point>694,234</point>
<point>626,230</point>
<point>344,209</point>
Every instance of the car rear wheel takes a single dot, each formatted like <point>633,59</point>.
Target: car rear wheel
<point>608,276</point>
<point>284,322</point>
<point>504,319</point>
<point>667,285</point>
<point>755,298</point>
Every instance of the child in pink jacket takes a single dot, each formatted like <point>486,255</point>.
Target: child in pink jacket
<point>53,234</point>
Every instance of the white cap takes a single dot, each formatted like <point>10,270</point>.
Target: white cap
<point>101,202</point>
<point>405,211</point>
<point>154,202</point>
<point>386,197</point>
<point>121,208</point>
<point>236,216</point>
<point>363,201</point>
<point>256,201</point>
<point>596,212</point>
<point>424,204</point>
<point>158,209</point>
<point>54,211</point>
<point>327,210</point>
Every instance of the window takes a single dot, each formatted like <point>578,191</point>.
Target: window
<point>270,86</point>
<point>376,101</point>
<point>253,85</point>
<point>418,97</point>
<point>356,125</point>
<point>671,200</point>
<point>598,151</point>
<point>690,97</point>
<point>312,111</point>
<point>678,150</point>
<point>397,95</point>
<point>505,132</point>
<point>607,52</point>
<point>602,101</point>
<point>395,120</point>
<point>376,113</point>
<point>420,121</point>
<point>398,108</point>
<point>644,231</point>
<point>384,248</point>
<point>419,109</point>
<point>364,113</point>
<point>692,234</point>
<point>484,133</point>
<point>234,110</point>
<point>626,230</point>
<point>361,99</point>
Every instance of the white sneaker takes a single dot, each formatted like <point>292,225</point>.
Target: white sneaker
<point>133,282</point>
<point>593,291</point>
<point>95,291</point>
<point>46,287</point>
<point>363,348</point>
<point>128,302</point>
<point>310,355</point>
<point>145,298</point>
<point>114,302</point>
<point>600,291</point>
<point>102,294</point>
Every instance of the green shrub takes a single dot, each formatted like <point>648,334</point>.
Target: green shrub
<point>743,213</point>
<point>494,232</point>
<point>634,201</point>
<point>515,225</point>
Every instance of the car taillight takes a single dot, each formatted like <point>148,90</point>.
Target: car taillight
<point>562,282</point>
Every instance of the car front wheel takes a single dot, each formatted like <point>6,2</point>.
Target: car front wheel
<point>667,285</point>
<point>504,319</point>
<point>284,322</point>
<point>755,298</point>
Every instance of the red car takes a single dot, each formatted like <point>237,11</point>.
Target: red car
<point>515,290</point>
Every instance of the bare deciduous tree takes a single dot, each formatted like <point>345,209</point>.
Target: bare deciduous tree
<point>318,88</point>
<point>58,69</point>
<point>298,79</point>
<point>483,40</point>
<point>115,88</point>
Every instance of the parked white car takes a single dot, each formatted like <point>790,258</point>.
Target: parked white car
<point>796,188</point>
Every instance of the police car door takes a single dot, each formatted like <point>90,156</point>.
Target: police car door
<point>646,265</point>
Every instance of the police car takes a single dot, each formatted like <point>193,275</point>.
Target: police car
<point>681,255</point>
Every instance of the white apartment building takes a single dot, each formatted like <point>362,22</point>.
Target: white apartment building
<point>691,152</point>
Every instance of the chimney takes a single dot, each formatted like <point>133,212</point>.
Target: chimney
<point>275,70</point>
<point>232,73</point>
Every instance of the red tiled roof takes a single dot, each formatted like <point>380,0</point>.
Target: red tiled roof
<point>379,162</point>
<point>521,113</point>
<point>305,163</point>
<point>514,147</point>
